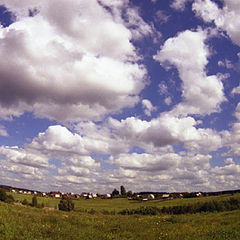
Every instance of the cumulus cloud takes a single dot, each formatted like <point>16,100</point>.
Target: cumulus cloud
<point>236,90</point>
<point>147,106</point>
<point>21,156</point>
<point>146,162</point>
<point>232,137</point>
<point>53,62</point>
<point>166,130</point>
<point>229,161</point>
<point>226,18</point>
<point>188,52</point>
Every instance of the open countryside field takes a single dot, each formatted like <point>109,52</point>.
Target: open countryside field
<point>119,204</point>
<point>23,222</point>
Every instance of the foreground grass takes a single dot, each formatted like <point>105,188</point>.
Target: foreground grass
<point>19,222</point>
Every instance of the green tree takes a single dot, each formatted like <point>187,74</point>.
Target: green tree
<point>66,204</point>
<point>34,201</point>
<point>115,192</point>
<point>123,191</point>
<point>129,193</point>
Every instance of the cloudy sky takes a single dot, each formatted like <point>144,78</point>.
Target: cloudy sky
<point>102,93</point>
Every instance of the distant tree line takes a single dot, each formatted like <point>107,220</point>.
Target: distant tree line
<point>211,206</point>
<point>122,193</point>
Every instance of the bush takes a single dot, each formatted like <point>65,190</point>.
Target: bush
<point>9,199</point>
<point>25,202</point>
<point>66,204</point>
<point>3,195</point>
<point>211,206</point>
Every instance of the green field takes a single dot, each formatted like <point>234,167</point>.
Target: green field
<point>98,219</point>
<point>118,204</point>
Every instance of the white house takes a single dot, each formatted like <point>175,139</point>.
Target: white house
<point>199,194</point>
<point>151,197</point>
<point>165,195</point>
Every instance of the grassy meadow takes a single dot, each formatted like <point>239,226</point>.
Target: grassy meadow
<point>24,222</point>
<point>118,204</point>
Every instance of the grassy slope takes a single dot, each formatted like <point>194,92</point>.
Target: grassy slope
<point>18,223</point>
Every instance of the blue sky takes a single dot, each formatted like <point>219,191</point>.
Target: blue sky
<point>98,94</point>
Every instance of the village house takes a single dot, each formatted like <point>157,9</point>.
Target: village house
<point>165,196</point>
<point>55,194</point>
<point>151,197</point>
<point>198,194</point>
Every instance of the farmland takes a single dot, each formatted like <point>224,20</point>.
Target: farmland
<point>119,204</point>
<point>98,219</point>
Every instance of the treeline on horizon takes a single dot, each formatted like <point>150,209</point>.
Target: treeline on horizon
<point>210,206</point>
<point>187,194</point>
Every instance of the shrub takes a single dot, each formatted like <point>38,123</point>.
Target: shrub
<point>3,195</point>
<point>9,199</point>
<point>66,204</point>
<point>211,206</point>
<point>25,202</point>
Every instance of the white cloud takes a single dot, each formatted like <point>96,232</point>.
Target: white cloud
<point>232,137</point>
<point>146,162</point>
<point>3,131</point>
<point>229,161</point>
<point>168,100</point>
<point>188,52</point>
<point>27,158</point>
<point>226,63</point>
<point>179,4</point>
<point>161,17</point>
<point>166,130</point>
<point>147,106</point>
<point>57,63</point>
<point>227,18</point>
<point>231,169</point>
<point>236,90</point>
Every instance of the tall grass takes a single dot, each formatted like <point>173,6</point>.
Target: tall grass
<point>20,223</point>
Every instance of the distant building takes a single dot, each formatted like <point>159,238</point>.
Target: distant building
<point>198,194</point>
<point>56,194</point>
<point>108,195</point>
<point>151,197</point>
<point>165,196</point>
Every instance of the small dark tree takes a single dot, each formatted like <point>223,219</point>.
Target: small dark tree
<point>66,204</point>
<point>115,192</point>
<point>3,195</point>
<point>34,201</point>
<point>123,191</point>
<point>129,193</point>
